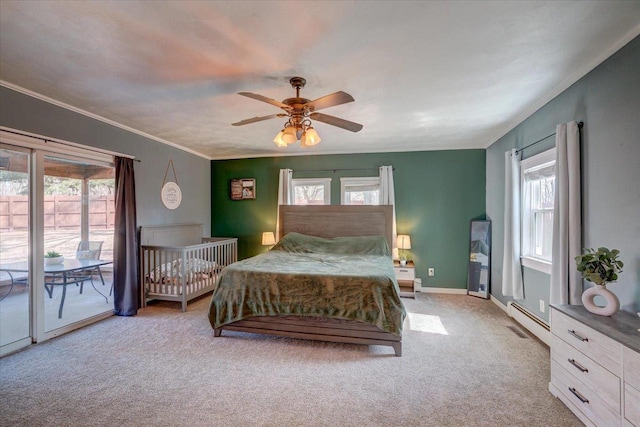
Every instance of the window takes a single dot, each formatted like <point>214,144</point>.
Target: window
<point>360,191</point>
<point>312,191</point>
<point>538,188</point>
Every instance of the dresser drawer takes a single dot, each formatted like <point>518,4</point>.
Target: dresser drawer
<point>591,343</point>
<point>631,367</point>
<point>583,398</point>
<point>403,273</point>
<point>588,371</point>
<point>632,405</point>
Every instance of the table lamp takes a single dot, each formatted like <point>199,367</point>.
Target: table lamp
<point>403,242</point>
<point>268,239</point>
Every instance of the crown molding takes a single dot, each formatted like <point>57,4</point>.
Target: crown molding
<point>61,104</point>
<point>565,84</point>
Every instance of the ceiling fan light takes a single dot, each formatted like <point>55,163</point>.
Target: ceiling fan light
<point>310,137</point>
<point>289,135</point>
<point>278,139</point>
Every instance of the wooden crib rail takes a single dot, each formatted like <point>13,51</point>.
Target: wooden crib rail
<point>181,273</point>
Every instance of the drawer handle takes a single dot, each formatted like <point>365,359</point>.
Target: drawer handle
<point>580,337</point>
<point>577,365</point>
<point>403,271</point>
<point>578,395</point>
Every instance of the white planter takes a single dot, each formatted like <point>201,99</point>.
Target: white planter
<point>613,303</point>
<point>54,260</point>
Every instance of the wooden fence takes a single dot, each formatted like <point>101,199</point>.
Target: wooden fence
<point>60,212</point>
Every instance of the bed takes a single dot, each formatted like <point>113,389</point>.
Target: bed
<point>178,264</point>
<point>316,283</point>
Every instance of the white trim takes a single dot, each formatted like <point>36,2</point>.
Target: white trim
<point>563,85</point>
<point>357,181</point>
<point>527,228</point>
<point>431,290</point>
<point>97,117</point>
<point>57,146</point>
<point>499,303</point>
<point>532,326</point>
<point>546,156</point>
<point>325,182</point>
<point>77,325</point>
<point>536,264</point>
<point>15,346</point>
<point>541,333</point>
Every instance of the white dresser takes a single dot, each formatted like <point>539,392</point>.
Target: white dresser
<point>595,365</point>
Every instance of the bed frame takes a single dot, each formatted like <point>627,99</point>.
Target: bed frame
<point>162,245</point>
<point>327,222</point>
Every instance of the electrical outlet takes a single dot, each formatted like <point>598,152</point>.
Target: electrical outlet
<point>432,272</point>
<point>542,305</point>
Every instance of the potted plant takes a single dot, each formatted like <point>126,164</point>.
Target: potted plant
<point>53,257</point>
<point>403,258</point>
<point>600,267</point>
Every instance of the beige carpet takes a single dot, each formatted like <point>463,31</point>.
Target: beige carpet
<point>461,366</point>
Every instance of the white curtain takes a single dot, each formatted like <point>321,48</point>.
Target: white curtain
<point>566,282</point>
<point>511,269</point>
<point>388,197</point>
<point>285,194</point>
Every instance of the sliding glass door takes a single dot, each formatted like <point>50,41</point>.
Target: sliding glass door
<point>78,226</point>
<point>15,301</point>
<point>56,243</point>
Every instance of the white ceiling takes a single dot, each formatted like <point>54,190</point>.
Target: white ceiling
<point>425,75</point>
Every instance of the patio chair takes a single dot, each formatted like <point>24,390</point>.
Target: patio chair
<point>88,250</point>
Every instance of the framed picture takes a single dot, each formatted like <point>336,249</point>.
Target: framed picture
<point>243,189</point>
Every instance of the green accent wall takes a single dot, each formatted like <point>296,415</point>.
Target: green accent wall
<point>437,194</point>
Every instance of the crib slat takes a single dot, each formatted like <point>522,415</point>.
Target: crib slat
<point>183,273</point>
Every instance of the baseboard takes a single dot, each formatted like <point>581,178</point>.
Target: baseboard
<point>529,321</point>
<point>499,303</point>
<point>443,290</point>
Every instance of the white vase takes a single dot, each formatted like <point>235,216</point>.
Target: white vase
<point>613,303</point>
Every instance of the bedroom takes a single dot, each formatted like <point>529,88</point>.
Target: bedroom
<point>449,187</point>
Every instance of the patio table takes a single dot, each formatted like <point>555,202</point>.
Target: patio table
<point>59,275</point>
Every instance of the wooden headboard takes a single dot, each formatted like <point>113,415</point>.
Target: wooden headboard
<point>337,221</point>
<point>171,235</point>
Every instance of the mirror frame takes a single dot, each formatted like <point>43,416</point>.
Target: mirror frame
<point>474,273</point>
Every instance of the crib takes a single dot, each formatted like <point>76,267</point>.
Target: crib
<point>178,264</point>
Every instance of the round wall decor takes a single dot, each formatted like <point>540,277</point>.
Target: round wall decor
<point>171,195</point>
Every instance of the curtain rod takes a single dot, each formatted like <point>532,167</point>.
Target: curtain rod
<point>580,125</point>
<point>71,144</point>
<point>336,170</point>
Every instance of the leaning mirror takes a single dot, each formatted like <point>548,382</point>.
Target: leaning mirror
<point>479,259</point>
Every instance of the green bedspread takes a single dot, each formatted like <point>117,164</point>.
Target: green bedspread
<point>342,278</point>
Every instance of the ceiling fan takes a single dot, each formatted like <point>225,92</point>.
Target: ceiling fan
<point>300,112</point>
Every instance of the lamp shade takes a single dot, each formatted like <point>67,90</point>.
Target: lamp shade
<point>404,241</point>
<point>268,238</point>
<point>278,139</point>
<point>310,137</point>
<point>289,135</point>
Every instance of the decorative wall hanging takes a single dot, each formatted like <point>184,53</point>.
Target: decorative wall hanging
<point>243,189</point>
<point>170,194</point>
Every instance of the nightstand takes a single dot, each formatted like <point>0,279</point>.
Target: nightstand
<point>406,276</point>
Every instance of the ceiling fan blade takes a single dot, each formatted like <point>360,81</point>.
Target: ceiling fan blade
<point>330,100</point>
<point>336,121</point>
<point>263,99</point>
<point>257,119</point>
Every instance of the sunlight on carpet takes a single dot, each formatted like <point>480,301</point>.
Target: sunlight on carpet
<point>426,323</point>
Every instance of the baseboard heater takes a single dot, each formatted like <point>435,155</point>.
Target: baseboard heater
<point>530,321</point>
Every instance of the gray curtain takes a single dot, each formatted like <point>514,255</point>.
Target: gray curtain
<point>126,292</point>
<point>566,280</point>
